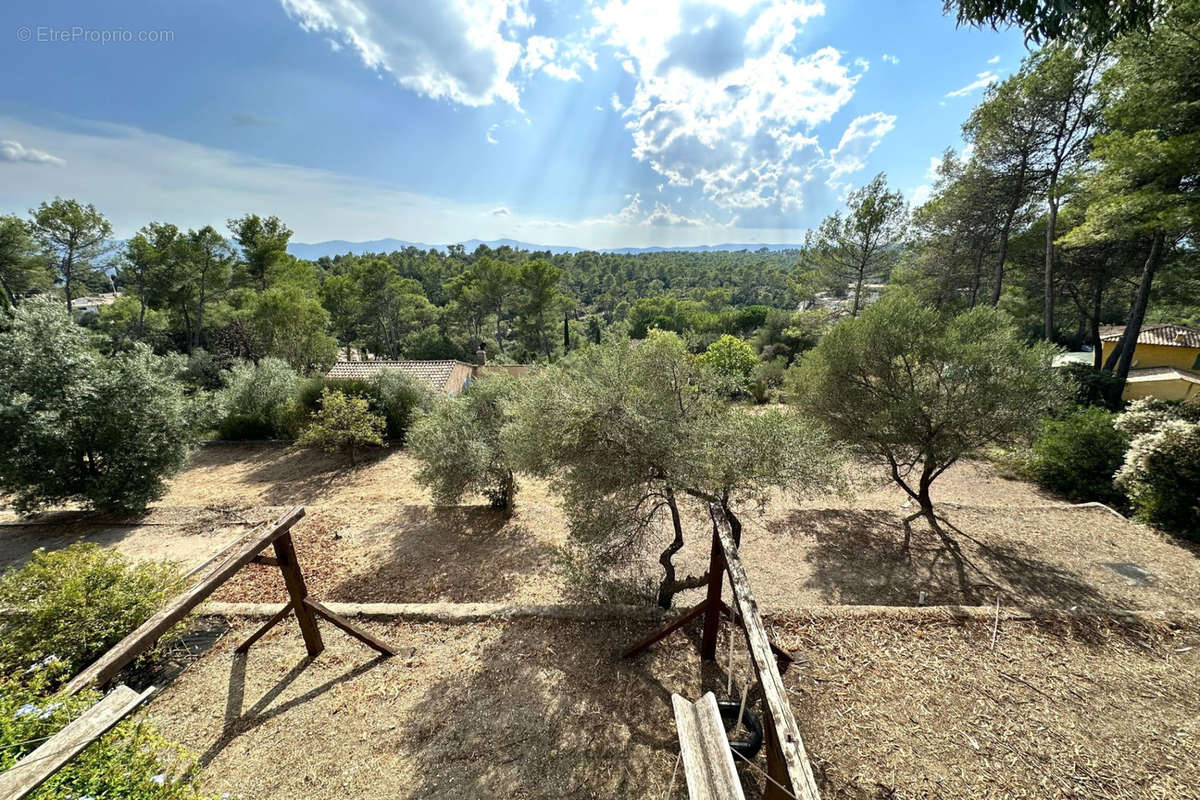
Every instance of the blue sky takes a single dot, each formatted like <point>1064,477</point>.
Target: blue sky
<point>606,123</point>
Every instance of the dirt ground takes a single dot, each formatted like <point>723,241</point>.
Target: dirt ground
<point>371,535</point>
<point>543,709</point>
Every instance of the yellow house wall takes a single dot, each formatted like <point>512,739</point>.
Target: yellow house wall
<point>1159,355</point>
<point>1176,390</point>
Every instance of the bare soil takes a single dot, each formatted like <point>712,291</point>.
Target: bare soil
<point>539,709</point>
<point>372,535</point>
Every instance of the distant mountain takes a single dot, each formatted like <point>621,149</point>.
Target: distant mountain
<point>338,247</point>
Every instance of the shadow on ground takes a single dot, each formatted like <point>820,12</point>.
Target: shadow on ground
<point>465,554</point>
<point>555,712</point>
<point>882,558</point>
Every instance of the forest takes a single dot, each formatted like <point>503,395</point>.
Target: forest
<point>1072,206</point>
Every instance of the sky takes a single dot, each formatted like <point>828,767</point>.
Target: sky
<point>594,123</point>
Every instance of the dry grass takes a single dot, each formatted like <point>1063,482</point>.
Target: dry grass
<point>372,536</point>
<point>380,554</point>
<point>538,709</point>
<point>1060,709</point>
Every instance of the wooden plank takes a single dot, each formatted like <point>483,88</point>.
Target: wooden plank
<point>665,630</point>
<point>351,628</point>
<point>31,771</point>
<point>141,639</point>
<point>285,554</point>
<point>782,656</point>
<point>707,761</point>
<point>778,714</point>
<point>279,617</point>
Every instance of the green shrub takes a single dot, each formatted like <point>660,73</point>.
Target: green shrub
<point>344,423</point>
<point>767,378</point>
<point>131,762</point>
<point>732,360</point>
<point>256,400</point>
<point>401,398</point>
<point>1091,387</point>
<point>73,604</point>
<point>76,425</point>
<point>397,397</point>
<point>1161,476</point>
<point>1078,455</point>
<point>460,447</point>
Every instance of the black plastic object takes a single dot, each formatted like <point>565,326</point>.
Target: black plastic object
<point>749,746</point>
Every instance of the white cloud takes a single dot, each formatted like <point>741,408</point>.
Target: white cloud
<point>931,172</point>
<point>491,134</point>
<point>860,138</point>
<point>459,50</point>
<point>615,101</point>
<point>561,59</point>
<point>890,59</point>
<point>982,79</point>
<point>133,176</point>
<point>994,60</point>
<point>15,151</point>
<point>192,185</point>
<point>726,100</point>
<point>920,195</point>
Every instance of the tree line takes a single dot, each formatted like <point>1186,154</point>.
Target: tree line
<point>1074,203</point>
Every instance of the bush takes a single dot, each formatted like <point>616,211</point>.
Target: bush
<point>73,604</point>
<point>767,378</point>
<point>401,398</point>
<point>1091,387</point>
<point>1078,455</point>
<point>344,423</point>
<point>460,448</point>
<point>205,371</point>
<point>732,360</point>
<point>1161,473</point>
<point>131,762</point>
<point>256,400</point>
<point>75,425</point>
<point>397,397</point>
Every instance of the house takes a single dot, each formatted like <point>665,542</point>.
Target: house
<point>1166,361</point>
<point>446,377</point>
<point>92,304</point>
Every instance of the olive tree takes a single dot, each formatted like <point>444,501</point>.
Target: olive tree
<point>75,425</point>
<point>631,432</point>
<point>915,389</point>
<point>460,447</point>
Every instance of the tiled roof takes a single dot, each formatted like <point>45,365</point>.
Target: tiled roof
<point>1150,374</point>
<point>1169,335</point>
<point>435,373</point>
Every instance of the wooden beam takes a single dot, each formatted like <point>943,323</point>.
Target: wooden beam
<point>285,554</point>
<point>31,771</point>
<point>279,617</point>
<point>108,665</point>
<point>777,716</point>
<point>707,761</point>
<point>350,628</point>
<point>783,657</point>
<point>665,630</point>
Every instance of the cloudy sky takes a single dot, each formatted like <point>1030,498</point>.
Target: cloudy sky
<point>588,122</point>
